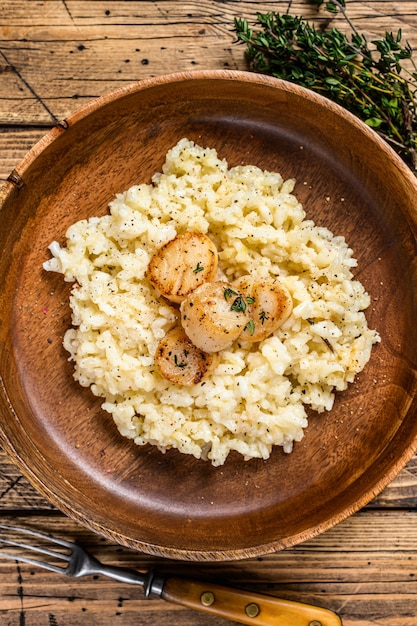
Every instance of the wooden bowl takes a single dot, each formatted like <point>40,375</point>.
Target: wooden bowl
<point>173,505</point>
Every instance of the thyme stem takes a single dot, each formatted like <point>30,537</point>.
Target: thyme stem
<point>371,82</point>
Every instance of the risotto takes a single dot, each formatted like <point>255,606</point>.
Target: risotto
<point>256,396</point>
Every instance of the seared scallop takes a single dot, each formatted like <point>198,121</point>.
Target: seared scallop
<point>182,265</point>
<point>178,360</point>
<point>214,315</point>
<point>269,305</point>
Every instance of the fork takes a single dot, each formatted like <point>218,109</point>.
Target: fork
<point>240,606</point>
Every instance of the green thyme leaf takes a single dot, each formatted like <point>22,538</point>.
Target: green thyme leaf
<point>250,326</point>
<point>198,268</point>
<point>377,80</point>
<point>263,316</point>
<point>239,305</point>
<point>228,293</point>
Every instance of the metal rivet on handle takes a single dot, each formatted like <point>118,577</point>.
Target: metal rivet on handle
<point>315,622</point>
<point>252,610</point>
<point>16,179</point>
<point>207,598</point>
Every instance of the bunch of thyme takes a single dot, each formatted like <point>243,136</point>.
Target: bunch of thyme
<point>369,80</point>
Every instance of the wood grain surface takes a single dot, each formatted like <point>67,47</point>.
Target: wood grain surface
<point>55,56</point>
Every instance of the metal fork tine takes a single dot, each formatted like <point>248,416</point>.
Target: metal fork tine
<point>79,561</point>
<point>40,549</point>
<point>42,564</point>
<point>38,534</point>
<point>35,548</point>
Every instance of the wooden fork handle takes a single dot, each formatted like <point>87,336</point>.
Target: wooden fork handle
<point>245,607</point>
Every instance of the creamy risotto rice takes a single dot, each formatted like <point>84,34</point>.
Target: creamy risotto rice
<point>257,394</point>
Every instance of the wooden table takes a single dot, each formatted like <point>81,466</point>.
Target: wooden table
<point>55,56</point>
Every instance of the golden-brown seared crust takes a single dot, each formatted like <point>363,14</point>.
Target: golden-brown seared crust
<point>214,315</point>
<point>269,305</point>
<point>182,265</point>
<point>178,360</point>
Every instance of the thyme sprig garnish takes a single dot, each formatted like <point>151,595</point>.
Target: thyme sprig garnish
<point>324,339</point>
<point>180,363</point>
<point>198,268</point>
<point>369,79</point>
<point>228,293</point>
<point>250,326</point>
<point>263,316</point>
<point>239,305</point>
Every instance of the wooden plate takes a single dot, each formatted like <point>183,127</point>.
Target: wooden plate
<point>174,505</point>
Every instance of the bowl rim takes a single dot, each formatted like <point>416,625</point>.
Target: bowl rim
<point>197,75</point>
<point>17,176</point>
